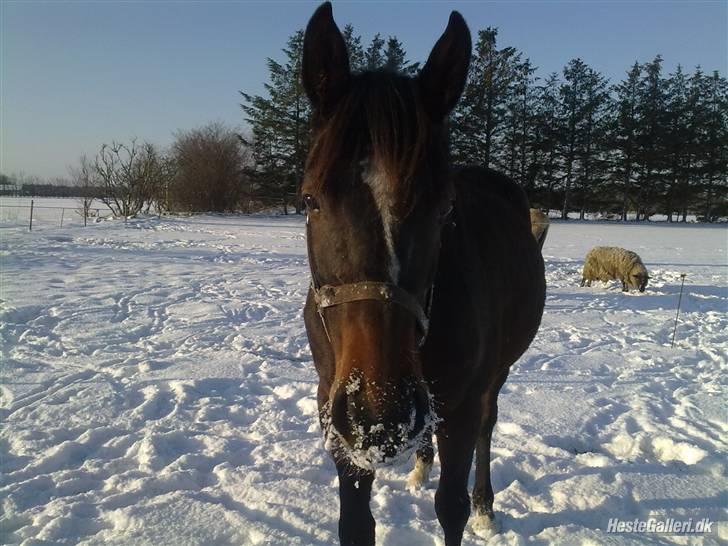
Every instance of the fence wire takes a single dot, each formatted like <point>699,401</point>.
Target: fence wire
<point>45,216</point>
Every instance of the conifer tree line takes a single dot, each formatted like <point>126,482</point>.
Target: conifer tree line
<point>652,143</point>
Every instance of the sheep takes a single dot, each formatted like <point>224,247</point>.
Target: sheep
<point>608,263</point>
<point>539,226</point>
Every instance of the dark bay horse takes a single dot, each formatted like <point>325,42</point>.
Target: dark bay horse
<point>427,284</point>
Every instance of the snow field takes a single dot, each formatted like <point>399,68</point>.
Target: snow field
<point>157,388</point>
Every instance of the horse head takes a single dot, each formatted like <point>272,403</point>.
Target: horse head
<point>377,195</point>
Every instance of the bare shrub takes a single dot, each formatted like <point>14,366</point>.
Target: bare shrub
<point>209,170</point>
<point>83,177</point>
<point>130,176</point>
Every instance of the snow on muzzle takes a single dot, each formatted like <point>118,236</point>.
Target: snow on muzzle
<point>379,423</point>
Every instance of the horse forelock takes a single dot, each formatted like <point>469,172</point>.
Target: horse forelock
<point>380,119</point>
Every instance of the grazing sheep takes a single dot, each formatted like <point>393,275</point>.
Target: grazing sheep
<point>609,263</point>
<point>539,226</point>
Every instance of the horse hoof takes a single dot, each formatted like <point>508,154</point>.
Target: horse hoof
<point>484,525</point>
<point>419,476</point>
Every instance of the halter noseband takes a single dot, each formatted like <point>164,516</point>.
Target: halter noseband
<point>330,296</point>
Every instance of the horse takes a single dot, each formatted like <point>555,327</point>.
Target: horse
<point>426,283</point>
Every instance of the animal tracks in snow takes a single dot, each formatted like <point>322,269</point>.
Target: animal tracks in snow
<point>157,388</point>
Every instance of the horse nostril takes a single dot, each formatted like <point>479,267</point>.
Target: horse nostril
<point>339,412</point>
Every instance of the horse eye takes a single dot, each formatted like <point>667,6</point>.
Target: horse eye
<point>310,202</point>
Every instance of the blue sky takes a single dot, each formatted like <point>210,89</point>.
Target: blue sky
<point>76,74</point>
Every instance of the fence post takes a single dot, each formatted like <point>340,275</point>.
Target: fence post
<point>677,313</point>
<point>63,211</point>
<point>30,227</point>
<point>85,213</point>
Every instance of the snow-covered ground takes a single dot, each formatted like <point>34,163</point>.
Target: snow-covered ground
<point>157,388</point>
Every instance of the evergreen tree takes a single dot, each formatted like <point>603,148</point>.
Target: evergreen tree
<point>688,186</point>
<point>676,139</point>
<point>518,138</point>
<point>374,56</point>
<point>280,125</point>
<point>584,100</point>
<point>593,155</point>
<point>478,119</point>
<point>714,149</point>
<point>394,55</point>
<point>572,106</point>
<point>357,60</point>
<point>395,58</point>
<point>623,134</point>
<point>548,135</point>
<point>650,136</point>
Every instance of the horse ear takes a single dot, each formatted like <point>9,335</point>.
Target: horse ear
<point>443,78</point>
<point>325,70</point>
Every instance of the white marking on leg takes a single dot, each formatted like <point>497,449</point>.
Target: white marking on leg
<point>376,179</point>
<point>483,525</point>
<point>419,476</point>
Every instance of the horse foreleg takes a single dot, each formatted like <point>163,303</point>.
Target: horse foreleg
<point>423,464</point>
<point>356,524</point>
<point>484,520</point>
<point>456,442</point>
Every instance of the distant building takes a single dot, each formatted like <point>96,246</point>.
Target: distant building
<point>7,186</point>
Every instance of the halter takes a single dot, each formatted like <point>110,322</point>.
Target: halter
<point>328,295</point>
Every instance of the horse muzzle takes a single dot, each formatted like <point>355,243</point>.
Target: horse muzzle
<point>377,424</point>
